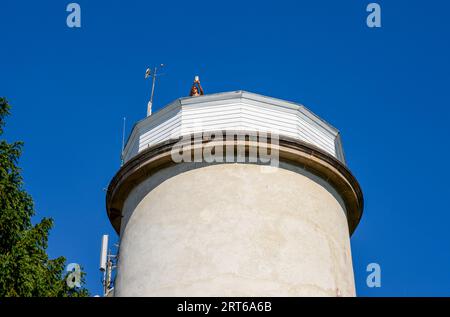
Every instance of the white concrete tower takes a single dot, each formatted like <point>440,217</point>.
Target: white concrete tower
<point>234,194</point>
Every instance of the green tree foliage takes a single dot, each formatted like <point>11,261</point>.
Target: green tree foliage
<point>25,269</point>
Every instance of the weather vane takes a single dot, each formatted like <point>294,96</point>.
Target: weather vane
<point>148,73</point>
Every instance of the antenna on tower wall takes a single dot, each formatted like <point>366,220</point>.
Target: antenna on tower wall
<point>108,263</point>
<point>104,253</point>
<point>148,73</point>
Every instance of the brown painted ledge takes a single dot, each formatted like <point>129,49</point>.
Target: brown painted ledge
<point>293,151</point>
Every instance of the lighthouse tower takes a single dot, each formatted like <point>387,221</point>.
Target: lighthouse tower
<point>234,194</point>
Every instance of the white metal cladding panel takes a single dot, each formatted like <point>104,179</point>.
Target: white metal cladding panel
<point>164,129</point>
<point>271,120</point>
<point>161,131</point>
<point>132,150</point>
<point>257,116</point>
<point>315,135</point>
<point>211,117</point>
<point>238,115</point>
<point>289,123</point>
<point>210,109</point>
<point>230,114</point>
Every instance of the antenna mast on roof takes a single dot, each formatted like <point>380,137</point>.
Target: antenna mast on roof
<point>123,141</point>
<point>148,73</point>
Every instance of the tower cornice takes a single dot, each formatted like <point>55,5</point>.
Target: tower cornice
<point>290,150</point>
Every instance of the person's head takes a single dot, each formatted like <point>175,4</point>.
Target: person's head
<point>194,91</point>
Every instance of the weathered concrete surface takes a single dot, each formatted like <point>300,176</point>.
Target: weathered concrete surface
<point>232,230</point>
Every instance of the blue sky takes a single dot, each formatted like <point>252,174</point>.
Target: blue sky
<point>386,90</point>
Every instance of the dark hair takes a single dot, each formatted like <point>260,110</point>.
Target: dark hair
<point>192,90</point>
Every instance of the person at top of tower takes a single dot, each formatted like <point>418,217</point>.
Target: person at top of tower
<point>194,90</point>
